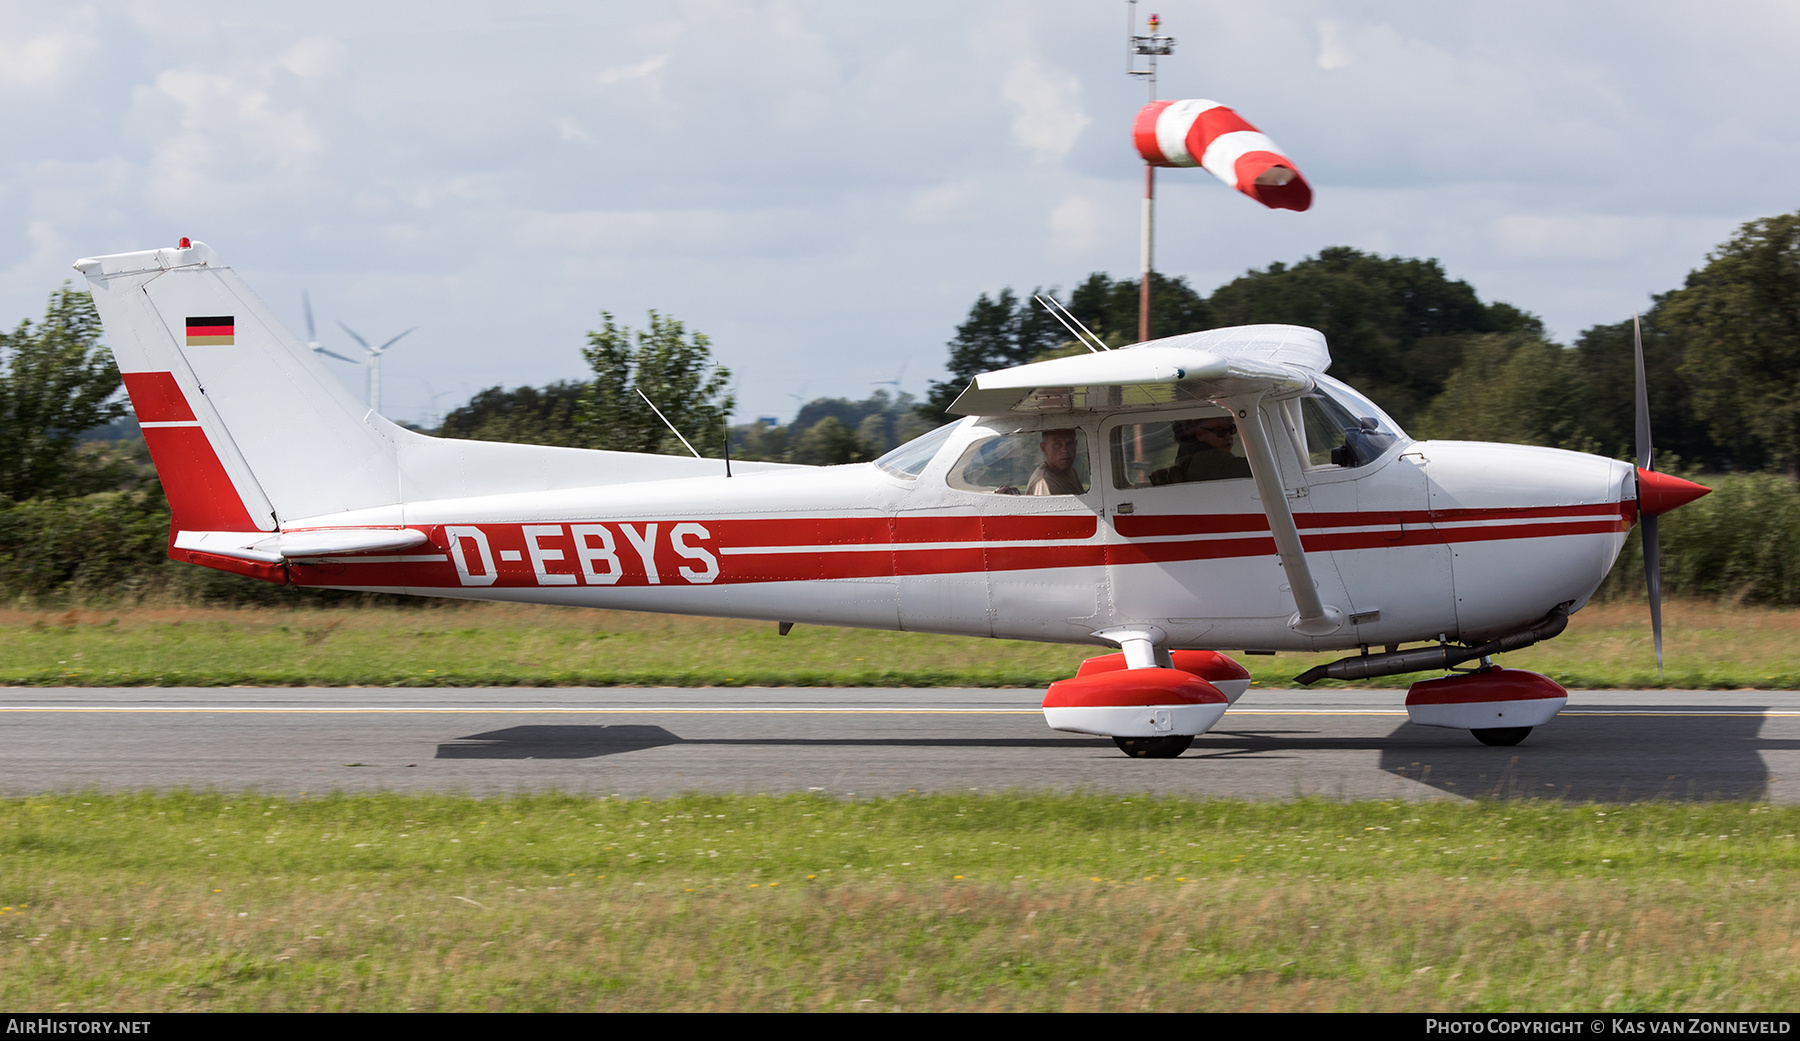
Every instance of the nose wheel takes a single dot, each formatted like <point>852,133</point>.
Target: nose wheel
<point>1501,736</point>
<point>1159,747</point>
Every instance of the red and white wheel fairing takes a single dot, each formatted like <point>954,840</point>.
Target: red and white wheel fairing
<point>1486,700</point>
<point>1221,671</point>
<point>1198,132</point>
<point>1134,703</point>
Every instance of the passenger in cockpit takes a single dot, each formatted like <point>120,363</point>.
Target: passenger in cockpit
<point>1203,452</point>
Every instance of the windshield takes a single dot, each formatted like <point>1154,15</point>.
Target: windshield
<point>911,458</point>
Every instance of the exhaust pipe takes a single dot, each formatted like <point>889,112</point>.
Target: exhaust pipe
<point>1443,656</point>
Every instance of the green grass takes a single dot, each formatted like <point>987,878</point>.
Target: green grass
<point>207,901</point>
<point>1710,646</point>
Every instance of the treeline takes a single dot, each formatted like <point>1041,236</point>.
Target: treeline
<point>87,520</point>
<point>1722,353</point>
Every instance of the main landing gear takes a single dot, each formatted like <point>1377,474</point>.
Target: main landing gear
<point>1504,737</point>
<point>1154,747</point>
<point>1499,706</point>
<point>1150,712</point>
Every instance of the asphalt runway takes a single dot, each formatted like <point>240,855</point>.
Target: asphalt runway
<point>1607,745</point>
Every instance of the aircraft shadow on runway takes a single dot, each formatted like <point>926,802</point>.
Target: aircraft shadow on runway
<point>577,741</point>
<point>1658,756</point>
<point>1614,757</point>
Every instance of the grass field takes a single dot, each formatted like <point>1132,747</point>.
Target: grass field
<point>1709,646</point>
<point>196,901</point>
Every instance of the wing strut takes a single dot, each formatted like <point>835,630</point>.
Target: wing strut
<point>1314,617</point>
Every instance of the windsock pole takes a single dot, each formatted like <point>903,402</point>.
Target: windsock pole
<point>1151,47</point>
<point>1146,253</point>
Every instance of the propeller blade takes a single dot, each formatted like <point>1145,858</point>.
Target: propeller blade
<point>1647,520</point>
<point>332,354</point>
<point>393,341</point>
<point>1653,578</point>
<point>306,305</point>
<point>1644,451</point>
<point>357,338</point>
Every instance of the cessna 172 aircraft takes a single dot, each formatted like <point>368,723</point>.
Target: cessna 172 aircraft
<point>1205,492</point>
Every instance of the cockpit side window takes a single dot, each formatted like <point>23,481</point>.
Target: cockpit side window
<point>1025,462</point>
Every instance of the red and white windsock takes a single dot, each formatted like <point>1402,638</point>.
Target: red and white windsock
<point>1206,133</point>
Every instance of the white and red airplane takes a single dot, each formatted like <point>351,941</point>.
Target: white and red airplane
<point>1205,492</point>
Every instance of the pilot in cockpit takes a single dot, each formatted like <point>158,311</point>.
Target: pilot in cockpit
<point>1203,452</point>
<point>1056,474</point>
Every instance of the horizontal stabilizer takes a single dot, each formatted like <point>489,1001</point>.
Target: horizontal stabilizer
<point>323,542</point>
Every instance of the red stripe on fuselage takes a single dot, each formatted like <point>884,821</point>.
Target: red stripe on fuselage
<point>760,550</point>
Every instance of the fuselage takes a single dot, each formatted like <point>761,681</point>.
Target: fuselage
<point>1426,539</point>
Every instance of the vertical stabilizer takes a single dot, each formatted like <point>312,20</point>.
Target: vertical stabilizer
<point>208,368</point>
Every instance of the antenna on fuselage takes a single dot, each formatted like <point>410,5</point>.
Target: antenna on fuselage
<point>671,426</point>
<point>1058,312</point>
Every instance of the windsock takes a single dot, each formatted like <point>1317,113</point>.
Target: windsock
<point>1206,133</point>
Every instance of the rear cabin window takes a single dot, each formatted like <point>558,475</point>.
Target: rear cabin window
<point>1179,451</point>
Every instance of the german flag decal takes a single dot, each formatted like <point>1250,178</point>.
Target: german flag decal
<point>216,331</point>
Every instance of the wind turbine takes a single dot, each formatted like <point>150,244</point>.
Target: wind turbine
<point>895,382</point>
<point>312,337</point>
<point>374,363</point>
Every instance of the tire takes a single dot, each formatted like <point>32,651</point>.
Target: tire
<point>1502,736</point>
<point>1156,747</point>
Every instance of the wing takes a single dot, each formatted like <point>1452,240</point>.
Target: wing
<point>1193,367</point>
<point>1238,368</point>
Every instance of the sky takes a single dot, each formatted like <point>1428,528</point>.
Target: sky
<point>823,189</point>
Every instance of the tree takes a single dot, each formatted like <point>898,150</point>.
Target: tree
<point>56,380</point>
<point>674,369</point>
<point>1110,307</point>
<point>1739,322</point>
<point>1396,327</point>
<point>525,415</point>
<point>1606,358</point>
<point>1514,388</point>
<point>1000,331</point>
<point>828,443</point>
<point>1004,330</point>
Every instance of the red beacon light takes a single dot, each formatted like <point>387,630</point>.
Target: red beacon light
<point>184,243</point>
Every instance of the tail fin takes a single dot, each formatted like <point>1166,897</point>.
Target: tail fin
<point>207,366</point>
<point>250,432</point>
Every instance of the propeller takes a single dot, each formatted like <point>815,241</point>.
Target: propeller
<point>1657,494</point>
<point>312,337</point>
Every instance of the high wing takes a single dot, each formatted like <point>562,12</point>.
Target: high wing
<point>1190,368</point>
<point>1235,368</point>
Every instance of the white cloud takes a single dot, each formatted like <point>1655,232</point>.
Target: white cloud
<point>1047,115</point>
<point>315,57</point>
<point>634,71</point>
<point>1077,225</point>
<point>42,59</point>
<point>1334,48</point>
